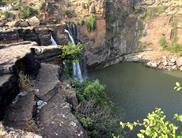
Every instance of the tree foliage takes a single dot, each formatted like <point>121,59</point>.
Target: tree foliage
<point>95,111</point>
<point>155,125</point>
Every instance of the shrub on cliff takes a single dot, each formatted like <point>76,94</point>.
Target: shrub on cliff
<point>95,109</point>
<point>71,53</point>
<point>27,11</point>
<point>172,47</point>
<point>89,90</point>
<point>69,13</point>
<point>91,23</point>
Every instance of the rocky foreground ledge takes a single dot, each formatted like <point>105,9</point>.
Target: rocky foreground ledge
<point>45,108</point>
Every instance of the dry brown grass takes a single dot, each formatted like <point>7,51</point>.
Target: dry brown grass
<point>25,84</point>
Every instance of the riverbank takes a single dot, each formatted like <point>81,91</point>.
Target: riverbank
<point>154,59</point>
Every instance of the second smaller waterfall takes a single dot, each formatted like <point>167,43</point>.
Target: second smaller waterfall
<point>53,42</point>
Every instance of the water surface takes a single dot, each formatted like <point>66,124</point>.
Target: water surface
<point>137,90</point>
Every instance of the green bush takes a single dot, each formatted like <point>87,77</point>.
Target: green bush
<point>172,47</point>
<point>154,11</point>
<point>94,109</point>
<point>137,6</point>
<point>70,13</point>
<point>91,90</point>
<point>71,53</point>
<point>91,23</point>
<point>26,11</point>
<point>163,42</point>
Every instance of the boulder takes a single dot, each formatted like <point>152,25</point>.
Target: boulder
<point>54,113</point>
<point>21,23</point>
<point>44,36</point>
<point>11,23</point>
<point>33,21</point>
<point>152,64</point>
<point>20,112</point>
<point>179,62</point>
<point>70,94</point>
<point>57,121</point>
<point>92,9</point>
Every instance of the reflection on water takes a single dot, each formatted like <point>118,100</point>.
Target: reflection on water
<point>138,89</point>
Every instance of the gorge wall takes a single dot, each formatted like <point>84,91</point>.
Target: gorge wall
<point>122,26</point>
<point>117,29</point>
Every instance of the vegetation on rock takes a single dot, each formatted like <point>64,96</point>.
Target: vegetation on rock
<point>26,11</point>
<point>91,23</point>
<point>69,13</point>
<point>95,109</point>
<point>154,11</point>
<point>71,53</point>
<point>172,46</point>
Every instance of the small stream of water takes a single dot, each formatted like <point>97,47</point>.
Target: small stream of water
<point>77,74</point>
<point>137,90</point>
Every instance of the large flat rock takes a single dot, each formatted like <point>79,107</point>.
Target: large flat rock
<point>11,53</point>
<point>55,119</point>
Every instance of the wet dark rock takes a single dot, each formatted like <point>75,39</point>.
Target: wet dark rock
<point>29,65</point>
<point>7,36</point>
<point>44,35</point>
<point>28,35</point>
<point>49,55</point>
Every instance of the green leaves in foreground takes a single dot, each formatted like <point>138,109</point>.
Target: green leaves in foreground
<point>155,125</point>
<point>178,87</point>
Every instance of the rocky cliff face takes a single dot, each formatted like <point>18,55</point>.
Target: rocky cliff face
<point>117,33</point>
<point>132,26</point>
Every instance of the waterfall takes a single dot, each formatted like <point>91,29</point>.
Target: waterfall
<point>53,42</point>
<point>77,74</point>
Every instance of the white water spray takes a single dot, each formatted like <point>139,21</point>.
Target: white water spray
<point>77,74</point>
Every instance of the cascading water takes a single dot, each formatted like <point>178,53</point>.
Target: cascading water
<point>77,74</point>
<point>53,42</point>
